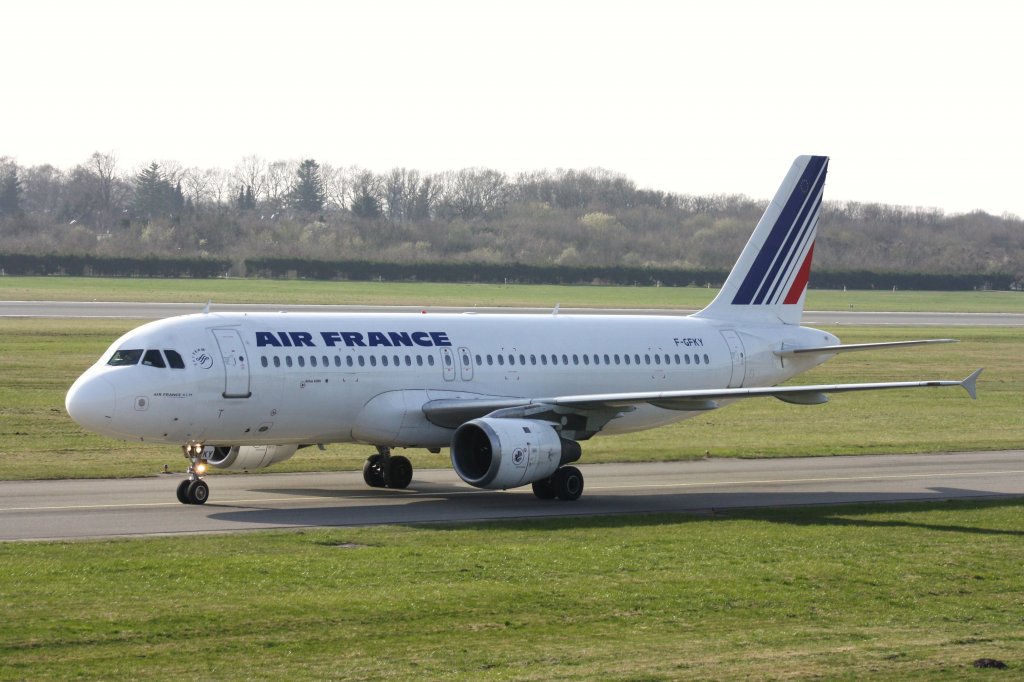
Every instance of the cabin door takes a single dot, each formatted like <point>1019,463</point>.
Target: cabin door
<point>236,364</point>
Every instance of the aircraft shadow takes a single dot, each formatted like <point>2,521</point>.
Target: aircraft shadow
<point>443,504</point>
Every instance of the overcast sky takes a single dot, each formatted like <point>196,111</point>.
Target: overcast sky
<point>917,103</point>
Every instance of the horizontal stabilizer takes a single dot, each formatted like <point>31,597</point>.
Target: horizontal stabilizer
<point>847,347</point>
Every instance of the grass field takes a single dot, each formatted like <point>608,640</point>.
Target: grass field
<point>41,358</point>
<point>909,592</point>
<point>430,294</point>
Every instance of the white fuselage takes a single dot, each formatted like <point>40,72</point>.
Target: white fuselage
<point>254,379</point>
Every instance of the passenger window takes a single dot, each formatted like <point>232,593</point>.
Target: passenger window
<point>565,359</point>
<point>696,359</point>
<point>617,359</point>
<point>362,361</point>
<point>373,361</point>
<point>647,359</point>
<point>408,361</point>
<point>264,361</point>
<point>430,360</point>
<point>501,360</point>
<point>348,361</point>
<point>707,360</point>
<point>626,358</point>
<point>174,359</point>
<point>383,360</point>
<point>657,359</point>
<point>302,361</point>
<point>575,359</point>
<point>327,363</point>
<point>288,360</point>
<point>511,359</point>
<point>677,359</point>
<point>125,357</point>
<point>277,361</point>
<point>586,359</point>
<point>419,360</point>
<point>337,360</point>
<point>312,361</point>
<point>153,359</point>
<point>543,359</point>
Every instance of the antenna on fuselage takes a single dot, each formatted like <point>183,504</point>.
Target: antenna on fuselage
<point>206,308</point>
<point>554,313</point>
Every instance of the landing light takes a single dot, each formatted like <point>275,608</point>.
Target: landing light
<point>201,468</point>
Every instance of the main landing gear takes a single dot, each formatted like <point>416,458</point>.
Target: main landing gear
<point>193,490</point>
<point>565,484</point>
<point>385,470</point>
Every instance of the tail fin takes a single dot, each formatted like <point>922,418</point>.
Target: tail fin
<point>769,281</point>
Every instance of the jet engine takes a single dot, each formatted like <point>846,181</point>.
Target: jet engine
<point>506,453</point>
<point>248,457</point>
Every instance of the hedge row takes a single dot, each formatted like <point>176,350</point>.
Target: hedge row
<point>104,266</point>
<point>290,268</point>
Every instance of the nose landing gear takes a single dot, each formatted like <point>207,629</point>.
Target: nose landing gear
<point>194,489</point>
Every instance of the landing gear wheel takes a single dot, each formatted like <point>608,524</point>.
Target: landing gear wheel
<point>544,489</point>
<point>398,472</point>
<point>198,492</point>
<point>183,492</point>
<point>568,483</point>
<point>373,473</point>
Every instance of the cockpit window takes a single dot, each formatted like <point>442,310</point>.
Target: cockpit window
<point>125,357</point>
<point>153,359</point>
<point>174,359</point>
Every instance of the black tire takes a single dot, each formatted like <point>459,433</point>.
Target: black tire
<point>198,492</point>
<point>372,474</point>
<point>544,489</point>
<point>568,483</point>
<point>183,492</point>
<point>398,472</point>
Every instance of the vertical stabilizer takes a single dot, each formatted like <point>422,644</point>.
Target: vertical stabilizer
<point>769,281</point>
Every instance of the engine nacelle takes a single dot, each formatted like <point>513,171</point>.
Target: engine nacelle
<point>507,453</point>
<point>247,457</point>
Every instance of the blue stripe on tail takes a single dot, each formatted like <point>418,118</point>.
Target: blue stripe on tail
<point>778,251</point>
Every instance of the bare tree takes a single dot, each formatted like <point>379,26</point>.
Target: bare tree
<point>338,184</point>
<point>104,167</point>
<point>198,184</point>
<point>251,174</point>
<point>279,181</point>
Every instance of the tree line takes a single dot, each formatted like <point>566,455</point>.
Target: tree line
<point>476,217</point>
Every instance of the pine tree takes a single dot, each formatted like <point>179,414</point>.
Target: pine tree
<point>10,192</point>
<point>307,194</point>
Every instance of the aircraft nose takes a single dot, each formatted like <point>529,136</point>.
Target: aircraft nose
<point>90,402</point>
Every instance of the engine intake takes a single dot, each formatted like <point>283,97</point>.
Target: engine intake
<point>506,453</point>
<point>247,457</point>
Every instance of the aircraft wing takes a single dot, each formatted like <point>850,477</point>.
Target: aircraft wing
<point>707,399</point>
<point>600,408</point>
<point>847,347</point>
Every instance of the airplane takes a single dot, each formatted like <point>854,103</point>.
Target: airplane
<point>511,395</point>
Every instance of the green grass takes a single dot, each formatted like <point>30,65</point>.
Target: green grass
<point>431,294</point>
<point>41,358</point>
<point>909,592</point>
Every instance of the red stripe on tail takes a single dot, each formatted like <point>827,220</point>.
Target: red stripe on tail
<point>800,283</point>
